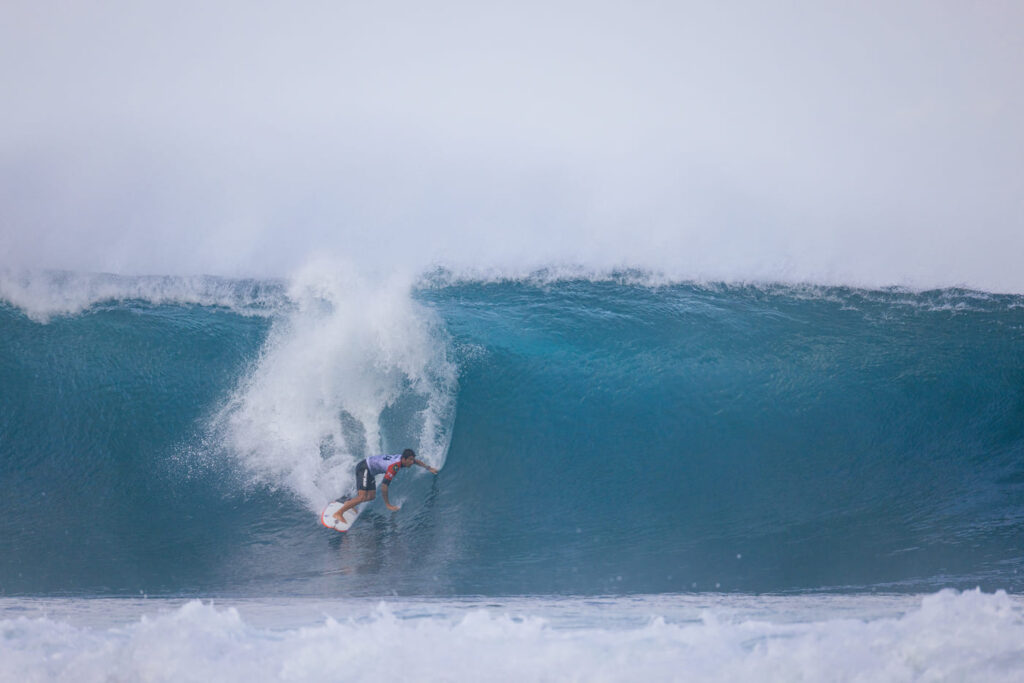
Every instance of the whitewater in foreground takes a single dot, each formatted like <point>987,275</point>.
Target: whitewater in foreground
<point>947,636</point>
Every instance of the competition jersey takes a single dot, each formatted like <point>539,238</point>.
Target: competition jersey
<point>388,465</point>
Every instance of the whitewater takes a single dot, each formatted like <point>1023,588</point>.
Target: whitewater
<point>641,477</point>
<point>946,636</point>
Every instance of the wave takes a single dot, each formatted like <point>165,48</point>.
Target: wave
<point>598,434</point>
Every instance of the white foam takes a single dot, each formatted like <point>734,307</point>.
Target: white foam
<point>968,636</point>
<point>312,405</point>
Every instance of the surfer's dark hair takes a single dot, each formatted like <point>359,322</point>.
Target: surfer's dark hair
<point>408,453</point>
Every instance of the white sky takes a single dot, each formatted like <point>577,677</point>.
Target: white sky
<point>860,142</point>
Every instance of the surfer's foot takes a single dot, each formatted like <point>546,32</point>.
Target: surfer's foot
<point>340,517</point>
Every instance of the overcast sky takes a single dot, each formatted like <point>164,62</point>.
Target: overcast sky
<point>860,142</point>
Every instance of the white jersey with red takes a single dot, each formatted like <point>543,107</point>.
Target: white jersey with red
<point>388,465</point>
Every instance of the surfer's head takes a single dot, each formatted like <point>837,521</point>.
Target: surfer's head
<point>408,457</point>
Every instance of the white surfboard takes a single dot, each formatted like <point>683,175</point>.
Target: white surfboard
<point>328,520</point>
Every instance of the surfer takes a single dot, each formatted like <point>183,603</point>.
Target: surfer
<point>366,478</point>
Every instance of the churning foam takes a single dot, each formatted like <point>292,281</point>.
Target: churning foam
<point>354,367</point>
<point>968,636</point>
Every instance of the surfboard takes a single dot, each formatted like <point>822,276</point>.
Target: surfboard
<point>327,516</point>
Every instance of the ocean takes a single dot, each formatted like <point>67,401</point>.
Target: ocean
<point>640,478</point>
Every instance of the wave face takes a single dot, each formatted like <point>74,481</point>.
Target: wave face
<point>597,435</point>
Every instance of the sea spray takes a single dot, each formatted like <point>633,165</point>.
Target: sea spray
<point>353,368</point>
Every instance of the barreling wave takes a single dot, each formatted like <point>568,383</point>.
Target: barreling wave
<point>598,432</point>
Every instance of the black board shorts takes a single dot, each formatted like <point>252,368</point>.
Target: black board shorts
<point>364,480</point>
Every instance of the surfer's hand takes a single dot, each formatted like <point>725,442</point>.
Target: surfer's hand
<point>432,470</point>
<point>393,508</point>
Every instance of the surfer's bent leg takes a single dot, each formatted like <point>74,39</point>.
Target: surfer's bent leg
<point>366,490</point>
<point>361,497</point>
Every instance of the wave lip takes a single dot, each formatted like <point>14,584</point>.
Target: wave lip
<point>45,294</point>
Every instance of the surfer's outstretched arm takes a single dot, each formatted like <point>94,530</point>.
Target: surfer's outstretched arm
<point>384,492</point>
<point>432,470</point>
